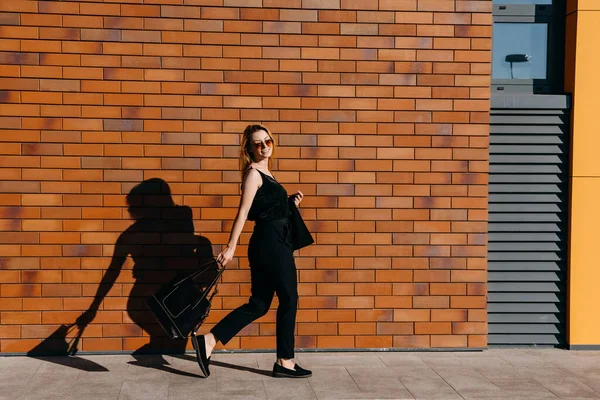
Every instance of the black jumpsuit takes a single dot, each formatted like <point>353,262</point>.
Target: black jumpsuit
<point>272,269</point>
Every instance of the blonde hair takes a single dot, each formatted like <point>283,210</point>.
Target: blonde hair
<point>246,143</point>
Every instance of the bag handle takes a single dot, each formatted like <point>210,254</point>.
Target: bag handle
<point>199,272</point>
<point>215,282</point>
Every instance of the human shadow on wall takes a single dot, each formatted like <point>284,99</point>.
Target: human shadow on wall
<point>162,244</point>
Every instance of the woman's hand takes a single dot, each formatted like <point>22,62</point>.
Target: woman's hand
<point>226,255</point>
<point>298,196</point>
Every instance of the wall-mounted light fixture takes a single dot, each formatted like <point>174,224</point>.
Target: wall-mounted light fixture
<point>516,58</point>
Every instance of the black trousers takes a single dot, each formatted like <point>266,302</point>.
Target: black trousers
<point>272,270</point>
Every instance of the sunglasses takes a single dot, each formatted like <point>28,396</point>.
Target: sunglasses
<point>262,144</point>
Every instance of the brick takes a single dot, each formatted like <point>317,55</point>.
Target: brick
<point>376,17</point>
<point>481,19</point>
<point>282,3</point>
<point>260,40</point>
<point>398,30</point>
<point>140,10</point>
<point>397,55</point>
<point>38,20</point>
<point>335,91</point>
<point>12,45</point>
<point>219,13</point>
<point>452,18</point>
<point>335,341</point>
<point>413,43</point>
<point>55,7</point>
<point>124,23</point>
<point>473,6</point>
<point>470,328</point>
<point>359,29</point>
<point>445,341</point>
<point>397,4</point>
<point>19,32</point>
<point>162,24</point>
<point>394,276</point>
<point>473,31</point>
<point>435,30</point>
<point>468,302</point>
<point>411,315</point>
<point>282,27</point>
<point>242,3</point>
<point>433,328</point>
<point>481,44</point>
<point>477,341</point>
<point>19,58</point>
<point>321,28</point>
<point>314,53</point>
<point>357,328</point>
<point>20,317</point>
<point>396,302</point>
<point>298,15</point>
<point>373,341</point>
<point>260,65</point>
<point>321,4</point>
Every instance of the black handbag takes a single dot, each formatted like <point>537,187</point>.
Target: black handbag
<point>183,304</point>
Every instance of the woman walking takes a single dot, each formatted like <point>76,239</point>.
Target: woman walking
<point>270,255</point>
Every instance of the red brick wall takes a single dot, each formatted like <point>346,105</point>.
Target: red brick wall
<point>381,111</point>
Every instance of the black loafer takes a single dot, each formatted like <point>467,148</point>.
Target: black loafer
<point>297,372</point>
<point>200,348</point>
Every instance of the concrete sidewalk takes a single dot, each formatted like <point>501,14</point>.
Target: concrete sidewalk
<point>493,374</point>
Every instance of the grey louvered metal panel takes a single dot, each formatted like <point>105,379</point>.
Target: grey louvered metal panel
<point>526,119</point>
<point>521,188</point>
<point>525,318</point>
<point>523,256</point>
<point>525,169</point>
<point>524,328</point>
<point>527,276</point>
<point>523,266</point>
<point>525,178</point>
<point>523,139</point>
<point>524,297</point>
<point>513,217</point>
<point>523,246</point>
<point>499,309</point>
<point>525,112</point>
<point>523,237</point>
<point>524,159</point>
<point>510,339</point>
<point>527,226</point>
<point>521,227</point>
<point>520,207</point>
<point>524,198</point>
<point>529,287</point>
<point>528,103</point>
<point>525,149</point>
<point>528,129</point>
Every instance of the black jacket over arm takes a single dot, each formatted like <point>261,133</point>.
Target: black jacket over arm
<point>301,236</point>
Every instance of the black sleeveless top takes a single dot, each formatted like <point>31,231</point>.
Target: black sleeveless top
<point>270,202</point>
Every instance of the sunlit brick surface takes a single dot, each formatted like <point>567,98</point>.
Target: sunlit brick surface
<point>380,110</point>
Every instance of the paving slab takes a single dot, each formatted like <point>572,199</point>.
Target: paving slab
<point>527,374</point>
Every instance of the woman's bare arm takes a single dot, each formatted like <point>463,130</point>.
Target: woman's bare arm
<point>250,185</point>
